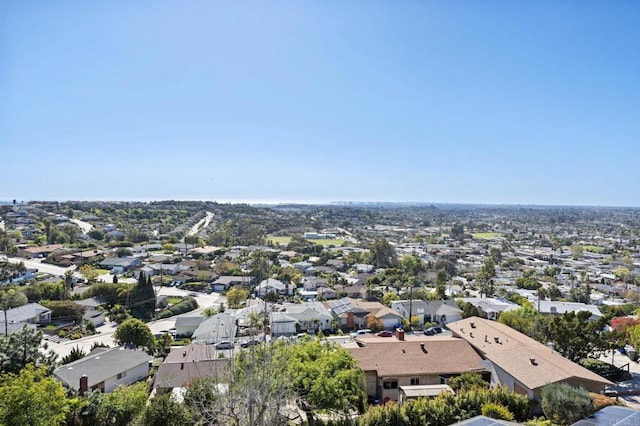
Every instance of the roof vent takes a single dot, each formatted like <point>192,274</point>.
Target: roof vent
<point>404,351</point>
<point>473,325</point>
<point>423,348</point>
<point>461,330</point>
<point>533,361</point>
<point>496,339</point>
<point>471,335</point>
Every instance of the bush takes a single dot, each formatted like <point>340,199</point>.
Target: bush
<point>565,404</point>
<point>496,411</point>
<point>187,305</point>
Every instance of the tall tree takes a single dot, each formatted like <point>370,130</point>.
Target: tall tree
<point>383,254</point>
<point>22,348</point>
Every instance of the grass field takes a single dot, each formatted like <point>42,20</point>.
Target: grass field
<point>486,235</point>
<point>328,242</point>
<point>279,240</point>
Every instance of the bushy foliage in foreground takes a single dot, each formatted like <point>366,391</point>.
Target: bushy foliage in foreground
<point>447,408</point>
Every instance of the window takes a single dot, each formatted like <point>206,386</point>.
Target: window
<point>390,384</point>
<point>121,375</point>
<point>415,381</point>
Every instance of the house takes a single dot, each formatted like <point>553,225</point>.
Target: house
<point>438,311</point>
<point>521,363</point>
<point>551,307</point>
<point>314,283</point>
<point>282,324</point>
<point>104,369</point>
<point>489,307</point>
<point>327,293</point>
<point>42,251</point>
<point>31,313</point>
<point>215,329</point>
<point>353,313</point>
<point>272,285</point>
<point>92,312</point>
<point>390,364</point>
<point>187,324</point>
<point>187,363</point>
<point>310,316</point>
<point>120,264</point>
<point>225,282</point>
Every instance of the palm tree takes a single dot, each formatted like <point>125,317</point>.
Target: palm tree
<point>256,320</point>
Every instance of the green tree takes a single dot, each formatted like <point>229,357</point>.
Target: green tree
<point>89,272</point>
<point>326,376</point>
<point>383,254</point>
<point>22,348</point>
<point>122,405</point>
<point>564,404</point>
<point>33,398</point>
<point>75,354</point>
<point>164,411</point>
<point>575,336</point>
<point>236,296</point>
<point>134,332</point>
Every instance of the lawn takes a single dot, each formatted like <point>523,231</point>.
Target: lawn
<point>593,249</point>
<point>279,240</point>
<point>327,242</point>
<point>174,299</point>
<point>486,235</point>
<point>102,271</point>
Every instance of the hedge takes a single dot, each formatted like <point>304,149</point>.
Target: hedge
<point>187,305</point>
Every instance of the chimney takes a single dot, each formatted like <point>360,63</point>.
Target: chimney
<point>84,385</point>
<point>423,348</point>
<point>400,334</point>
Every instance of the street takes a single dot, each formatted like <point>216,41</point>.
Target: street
<point>105,332</point>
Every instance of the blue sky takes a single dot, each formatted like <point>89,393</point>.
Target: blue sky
<point>435,101</point>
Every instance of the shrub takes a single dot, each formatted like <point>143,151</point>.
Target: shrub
<point>565,404</point>
<point>186,305</point>
<point>496,411</point>
<point>467,381</point>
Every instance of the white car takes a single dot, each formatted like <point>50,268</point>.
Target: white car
<point>360,332</point>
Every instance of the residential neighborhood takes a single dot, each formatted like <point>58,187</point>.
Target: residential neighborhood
<point>417,301</point>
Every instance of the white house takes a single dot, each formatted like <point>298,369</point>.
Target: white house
<point>104,369</point>
<point>272,285</point>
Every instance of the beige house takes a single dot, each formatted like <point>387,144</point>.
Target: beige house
<point>389,363</point>
<point>521,363</point>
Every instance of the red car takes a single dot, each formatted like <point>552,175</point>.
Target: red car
<point>385,333</point>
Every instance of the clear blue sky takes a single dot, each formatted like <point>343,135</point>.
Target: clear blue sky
<point>532,102</point>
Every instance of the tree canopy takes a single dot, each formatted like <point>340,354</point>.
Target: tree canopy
<point>134,332</point>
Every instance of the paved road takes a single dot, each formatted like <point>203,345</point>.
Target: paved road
<point>42,267</point>
<point>106,331</point>
<point>84,226</point>
<point>202,224</point>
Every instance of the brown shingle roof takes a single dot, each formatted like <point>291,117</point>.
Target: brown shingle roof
<point>400,358</point>
<point>515,351</point>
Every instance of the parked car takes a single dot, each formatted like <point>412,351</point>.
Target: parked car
<point>385,333</point>
<point>252,342</point>
<point>360,332</point>
<point>432,331</point>
<point>225,344</point>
